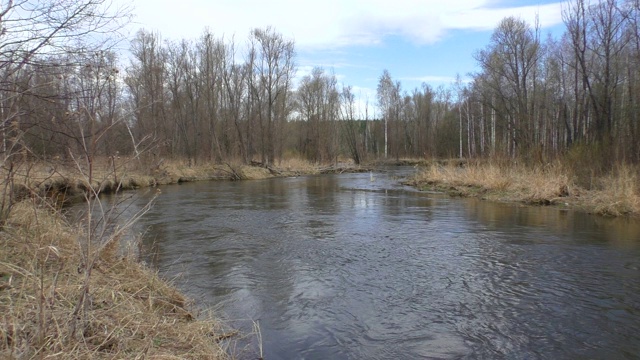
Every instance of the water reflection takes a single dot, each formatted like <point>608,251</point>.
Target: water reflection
<point>621,232</point>
<point>343,267</point>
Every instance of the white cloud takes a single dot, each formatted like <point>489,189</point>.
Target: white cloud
<point>432,79</point>
<point>487,18</point>
<point>437,79</point>
<point>333,23</point>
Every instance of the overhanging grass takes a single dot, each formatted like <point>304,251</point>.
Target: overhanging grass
<point>131,312</point>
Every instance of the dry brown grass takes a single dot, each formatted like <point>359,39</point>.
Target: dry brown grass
<point>299,165</point>
<point>122,173</point>
<point>616,194</point>
<point>488,177</point>
<point>252,172</point>
<point>72,177</point>
<point>181,169</point>
<point>542,185</point>
<point>236,170</point>
<point>131,312</point>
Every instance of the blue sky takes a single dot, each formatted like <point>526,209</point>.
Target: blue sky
<point>416,40</point>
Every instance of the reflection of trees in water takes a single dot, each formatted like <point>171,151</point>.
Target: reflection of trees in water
<point>580,225</point>
<point>535,272</point>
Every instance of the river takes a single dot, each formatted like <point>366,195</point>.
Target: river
<point>356,266</point>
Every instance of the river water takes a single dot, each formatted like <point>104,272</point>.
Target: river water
<point>356,266</point>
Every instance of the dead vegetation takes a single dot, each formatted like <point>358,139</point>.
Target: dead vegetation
<point>615,194</point>
<point>128,312</point>
<point>77,290</point>
<point>65,182</point>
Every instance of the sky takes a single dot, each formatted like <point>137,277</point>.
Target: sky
<point>417,41</point>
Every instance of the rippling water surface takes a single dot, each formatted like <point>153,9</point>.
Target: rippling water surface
<point>355,266</point>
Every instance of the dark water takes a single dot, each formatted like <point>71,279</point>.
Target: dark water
<point>346,267</point>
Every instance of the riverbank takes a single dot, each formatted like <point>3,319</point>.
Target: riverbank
<point>615,194</point>
<point>128,311</point>
<point>69,182</point>
<point>62,299</point>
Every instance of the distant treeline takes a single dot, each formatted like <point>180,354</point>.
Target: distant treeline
<point>216,99</point>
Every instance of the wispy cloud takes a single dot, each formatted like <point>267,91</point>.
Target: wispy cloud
<point>486,18</point>
<point>335,23</point>
<point>432,79</point>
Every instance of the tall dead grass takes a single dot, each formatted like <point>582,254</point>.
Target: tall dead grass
<point>617,193</point>
<point>540,185</point>
<point>299,165</point>
<point>614,194</point>
<point>130,312</point>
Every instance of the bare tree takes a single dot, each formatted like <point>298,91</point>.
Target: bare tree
<point>34,37</point>
<point>598,38</point>
<point>272,68</point>
<point>33,32</point>
<point>147,95</point>
<point>351,126</point>
<point>212,55</point>
<point>318,102</point>
<point>388,103</point>
<point>510,62</point>
<point>235,78</point>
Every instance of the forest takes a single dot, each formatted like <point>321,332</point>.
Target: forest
<point>85,110</point>
<point>214,99</point>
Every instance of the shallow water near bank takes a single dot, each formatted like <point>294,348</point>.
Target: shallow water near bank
<point>356,266</point>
